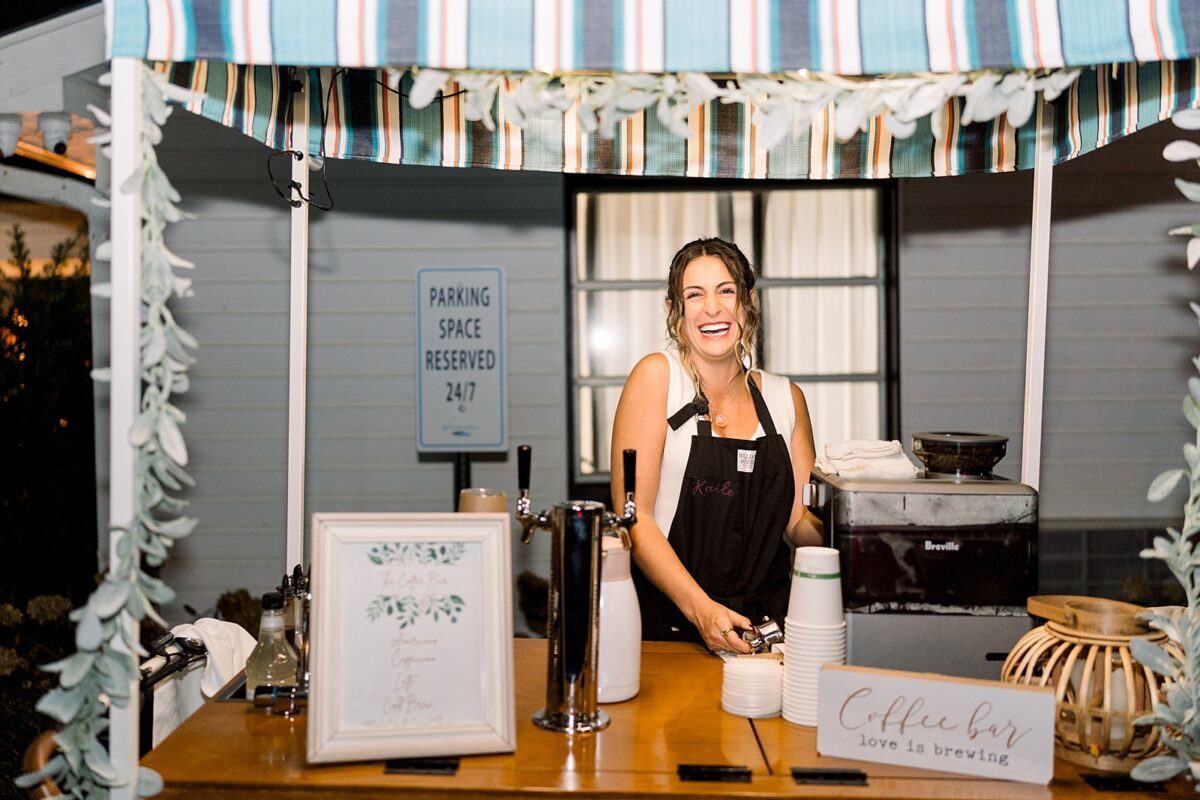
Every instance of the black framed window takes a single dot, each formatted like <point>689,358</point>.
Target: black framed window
<point>823,261</point>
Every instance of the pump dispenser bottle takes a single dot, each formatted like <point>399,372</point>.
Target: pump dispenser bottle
<point>273,661</point>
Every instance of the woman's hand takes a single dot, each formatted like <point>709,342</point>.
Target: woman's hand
<point>720,628</point>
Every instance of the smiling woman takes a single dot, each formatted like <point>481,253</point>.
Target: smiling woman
<point>724,446</point>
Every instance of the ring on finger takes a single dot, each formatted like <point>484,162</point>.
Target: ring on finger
<point>725,632</point>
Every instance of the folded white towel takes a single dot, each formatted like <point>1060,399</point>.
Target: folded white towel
<point>178,696</point>
<point>861,448</point>
<point>825,465</point>
<point>175,699</point>
<point>228,647</point>
<point>896,467</point>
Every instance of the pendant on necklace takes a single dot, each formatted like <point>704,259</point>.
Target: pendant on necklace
<point>719,420</point>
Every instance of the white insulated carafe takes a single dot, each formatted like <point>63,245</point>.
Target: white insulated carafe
<point>619,671</point>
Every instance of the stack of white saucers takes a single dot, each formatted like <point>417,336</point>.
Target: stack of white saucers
<point>752,686</point>
<point>815,630</point>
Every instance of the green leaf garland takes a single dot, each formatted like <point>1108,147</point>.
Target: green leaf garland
<point>1177,719</point>
<point>782,104</point>
<point>104,666</point>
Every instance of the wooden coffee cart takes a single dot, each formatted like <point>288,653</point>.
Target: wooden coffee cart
<point>231,749</point>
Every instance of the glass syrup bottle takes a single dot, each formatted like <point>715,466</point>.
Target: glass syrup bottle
<point>273,661</point>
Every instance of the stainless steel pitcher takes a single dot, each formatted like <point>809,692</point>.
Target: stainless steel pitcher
<point>573,625</point>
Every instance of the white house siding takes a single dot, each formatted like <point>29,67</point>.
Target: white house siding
<point>1120,338</point>
<point>1119,332</point>
<point>361,446</point>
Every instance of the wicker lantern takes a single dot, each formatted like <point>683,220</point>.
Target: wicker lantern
<point>1083,652</point>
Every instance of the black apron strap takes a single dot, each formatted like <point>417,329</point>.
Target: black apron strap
<point>697,408</point>
<point>760,407</point>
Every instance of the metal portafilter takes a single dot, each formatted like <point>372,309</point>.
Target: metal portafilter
<point>573,624</point>
<point>760,637</point>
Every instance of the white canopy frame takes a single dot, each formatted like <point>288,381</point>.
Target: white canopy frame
<point>125,361</point>
<point>298,336</point>
<point>1039,279</point>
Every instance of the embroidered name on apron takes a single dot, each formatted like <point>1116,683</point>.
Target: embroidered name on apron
<point>703,488</point>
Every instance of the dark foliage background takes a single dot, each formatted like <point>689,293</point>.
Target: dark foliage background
<point>48,491</point>
<point>47,480</point>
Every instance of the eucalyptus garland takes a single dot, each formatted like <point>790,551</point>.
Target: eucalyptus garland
<point>104,665</point>
<point>782,104</point>
<point>1176,714</point>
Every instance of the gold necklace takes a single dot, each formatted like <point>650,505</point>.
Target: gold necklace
<point>718,419</point>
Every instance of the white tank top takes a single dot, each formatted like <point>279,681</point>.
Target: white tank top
<point>776,391</point>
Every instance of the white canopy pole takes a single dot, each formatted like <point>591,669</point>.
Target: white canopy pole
<point>1039,271</point>
<point>298,331</point>
<point>125,358</point>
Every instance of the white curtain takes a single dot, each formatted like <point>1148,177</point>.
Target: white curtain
<point>821,233</point>
<point>826,330</point>
<point>842,410</point>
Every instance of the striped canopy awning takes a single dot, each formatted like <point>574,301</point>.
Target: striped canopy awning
<point>862,37</point>
<point>1137,57</point>
<point>365,120</point>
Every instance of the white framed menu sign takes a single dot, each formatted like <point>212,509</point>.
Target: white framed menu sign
<point>462,376</point>
<point>915,719</point>
<point>411,639</point>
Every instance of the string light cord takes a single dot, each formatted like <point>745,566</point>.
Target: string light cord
<point>285,190</point>
<point>441,98</point>
<point>290,191</point>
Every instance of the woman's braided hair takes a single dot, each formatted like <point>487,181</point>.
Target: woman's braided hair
<point>743,277</point>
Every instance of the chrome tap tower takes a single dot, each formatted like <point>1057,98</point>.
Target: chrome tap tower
<point>573,626</point>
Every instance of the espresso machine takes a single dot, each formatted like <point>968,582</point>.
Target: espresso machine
<point>935,569</point>
<point>573,624</point>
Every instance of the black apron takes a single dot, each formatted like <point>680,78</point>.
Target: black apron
<point>729,527</point>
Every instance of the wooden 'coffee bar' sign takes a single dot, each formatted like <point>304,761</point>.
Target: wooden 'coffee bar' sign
<point>976,727</point>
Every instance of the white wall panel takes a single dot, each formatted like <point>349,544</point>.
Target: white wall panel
<point>1119,333</point>
<point>1119,340</point>
<point>361,449</point>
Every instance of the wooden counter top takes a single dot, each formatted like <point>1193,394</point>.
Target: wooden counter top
<point>230,749</point>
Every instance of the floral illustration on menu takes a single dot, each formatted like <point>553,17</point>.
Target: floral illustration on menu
<point>442,553</point>
<point>409,607</point>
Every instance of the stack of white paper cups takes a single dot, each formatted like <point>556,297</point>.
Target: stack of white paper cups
<point>752,686</point>
<point>815,630</point>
